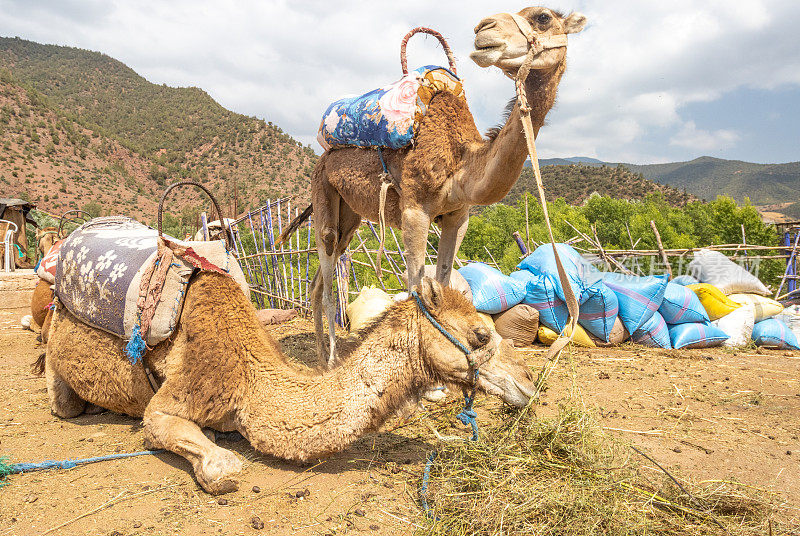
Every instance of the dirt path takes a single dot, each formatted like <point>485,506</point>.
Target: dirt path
<point>705,414</point>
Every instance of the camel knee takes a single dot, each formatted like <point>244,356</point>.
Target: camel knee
<point>328,237</point>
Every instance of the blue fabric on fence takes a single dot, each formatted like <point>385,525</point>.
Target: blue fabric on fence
<point>653,333</point>
<point>773,332</point>
<point>696,335</point>
<point>492,291</point>
<point>639,297</point>
<point>681,305</point>
<point>541,295</point>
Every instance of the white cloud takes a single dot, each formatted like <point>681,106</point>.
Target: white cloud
<point>631,73</point>
<point>698,139</point>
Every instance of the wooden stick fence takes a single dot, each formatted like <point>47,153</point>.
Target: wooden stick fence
<point>281,276</point>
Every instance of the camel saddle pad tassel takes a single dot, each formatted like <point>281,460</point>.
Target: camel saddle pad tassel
<point>103,264</point>
<point>389,116</point>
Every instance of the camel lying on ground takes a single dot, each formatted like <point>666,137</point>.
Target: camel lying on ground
<point>222,370</point>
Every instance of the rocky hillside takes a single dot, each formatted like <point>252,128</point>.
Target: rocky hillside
<point>576,182</point>
<point>161,134</point>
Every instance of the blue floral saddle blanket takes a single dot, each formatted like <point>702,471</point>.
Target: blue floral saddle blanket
<point>100,267</point>
<point>388,116</point>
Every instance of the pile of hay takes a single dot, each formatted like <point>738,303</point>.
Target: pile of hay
<point>562,476</point>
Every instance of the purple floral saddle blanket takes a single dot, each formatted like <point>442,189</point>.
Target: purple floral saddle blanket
<point>100,267</point>
<point>388,116</point>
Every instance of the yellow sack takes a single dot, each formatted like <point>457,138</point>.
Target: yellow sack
<point>548,336</point>
<point>713,300</point>
<point>487,320</point>
<point>369,303</point>
<point>763,306</point>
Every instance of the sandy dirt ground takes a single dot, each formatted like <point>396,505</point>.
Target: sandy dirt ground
<point>705,414</point>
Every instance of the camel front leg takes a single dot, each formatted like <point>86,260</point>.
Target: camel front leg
<point>327,266</point>
<point>214,467</point>
<point>454,227</point>
<point>415,238</point>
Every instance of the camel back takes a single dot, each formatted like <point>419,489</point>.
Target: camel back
<point>389,116</point>
<point>99,270</point>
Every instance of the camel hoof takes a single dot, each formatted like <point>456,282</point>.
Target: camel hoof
<point>217,474</point>
<point>435,395</point>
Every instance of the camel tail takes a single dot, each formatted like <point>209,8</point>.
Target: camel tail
<point>37,367</point>
<point>295,225</point>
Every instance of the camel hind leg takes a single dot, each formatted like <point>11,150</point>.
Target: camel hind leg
<point>64,401</point>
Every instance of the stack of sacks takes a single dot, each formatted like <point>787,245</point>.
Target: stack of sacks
<point>540,294</point>
<point>684,280</point>
<point>598,304</point>
<point>791,317</point>
<point>695,330</point>
<point>492,292</point>
<point>738,325</point>
<point>678,306</point>
<point>639,300</point>
<point>716,269</point>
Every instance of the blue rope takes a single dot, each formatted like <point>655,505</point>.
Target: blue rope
<point>441,329</point>
<point>11,469</point>
<point>380,155</point>
<point>468,416</point>
<point>136,346</point>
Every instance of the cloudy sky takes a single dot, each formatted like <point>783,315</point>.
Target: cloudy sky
<point>646,82</point>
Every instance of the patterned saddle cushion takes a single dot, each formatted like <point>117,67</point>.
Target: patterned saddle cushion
<point>46,269</point>
<point>100,265</point>
<point>386,117</point>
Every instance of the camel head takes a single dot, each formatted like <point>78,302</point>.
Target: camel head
<point>46,237</point>
<point>502,39</point>
<point>501,373</point>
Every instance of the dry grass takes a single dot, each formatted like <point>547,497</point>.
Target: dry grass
<point>563,476</point>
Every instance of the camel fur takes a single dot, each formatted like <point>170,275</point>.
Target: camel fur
<point>222,370</point>
<point>448,169</point>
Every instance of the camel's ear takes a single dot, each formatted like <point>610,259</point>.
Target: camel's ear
<point>430,292</point>
<point>574,23</point>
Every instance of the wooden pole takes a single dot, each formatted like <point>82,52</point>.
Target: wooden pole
<point>661,247</point>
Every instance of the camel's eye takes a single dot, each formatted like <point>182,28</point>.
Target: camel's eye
<point>482,335</point>
<point>543,18</point>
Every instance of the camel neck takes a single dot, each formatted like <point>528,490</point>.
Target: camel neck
<point>330,410</point>
<point>496,166</point>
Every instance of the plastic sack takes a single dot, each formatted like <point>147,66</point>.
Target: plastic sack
<point>520,324</point>
<point>763,307</point>
<point>714,301</point>
<point>492,292</point>
<point>547,336</point>
<point>791,317</point>
<point>617,336</point>
<point>653,333</point>
<point>639,297</point>
<point>540,294</point>
<point>738,325</point>
<point>716,269</point>
<point>681,305</point>
<point>598,310</point>
<point>696,335</point>
<point>684,280</point>
<point>368,305</point>
<point>773,332</point>
<point>580,272</point>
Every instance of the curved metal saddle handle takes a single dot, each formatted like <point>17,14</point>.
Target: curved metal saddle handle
<point>79,215</point>
<point>437,35</point>
<point>171,187</point>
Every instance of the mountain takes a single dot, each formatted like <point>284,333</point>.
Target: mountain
<point>707,177</point>
<point>161,134</point>
<point>577,182</point>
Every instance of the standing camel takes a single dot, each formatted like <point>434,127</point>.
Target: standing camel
<point>449,168</point>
